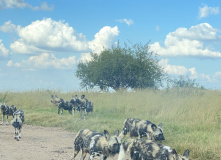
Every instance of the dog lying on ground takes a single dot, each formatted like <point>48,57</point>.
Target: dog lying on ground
<point>141,149</point>
<point>142,128</point>
<point>8,111</point>
<point>17,122</point>
<point>96,144</point>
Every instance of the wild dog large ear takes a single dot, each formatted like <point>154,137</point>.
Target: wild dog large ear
<point>174,151</point>
<point>154,127</point>
<point>52,96</point>
<point>186,153</point>
<point>116,133</point>
<point>160,125</point>
<point>107,135</point>
<point>82,97</point>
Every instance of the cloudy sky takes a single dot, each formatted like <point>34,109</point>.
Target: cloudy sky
<point>42,41</point>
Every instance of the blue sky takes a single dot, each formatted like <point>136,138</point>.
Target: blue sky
<point>42,41</point>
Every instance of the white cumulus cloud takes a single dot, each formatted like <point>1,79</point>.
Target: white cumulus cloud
<point>48,35</point>
<point>127,21</point>
<point>188,42</point>
<point>45,60</point>
<point>178,70</point>
<point>3,51</point>
<point>8,27</point>
<point>22,4</point>
<point>205,11</point>
<point>103,39</point>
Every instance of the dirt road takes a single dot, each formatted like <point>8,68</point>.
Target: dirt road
<point>37,143</point>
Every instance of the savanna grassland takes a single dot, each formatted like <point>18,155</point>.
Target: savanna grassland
<point>191,117</point>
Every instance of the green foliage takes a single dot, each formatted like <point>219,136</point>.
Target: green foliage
<point>129,67</point>
<point>185,82</point>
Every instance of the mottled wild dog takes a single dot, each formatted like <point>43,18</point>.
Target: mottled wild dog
<point>84,105</point>
<point>65,105</point>
<point>55,100</point>
<point>96,144</point>
<point>17,122</point>
<point>8,111</point>
<point>141,149</point>
<point>142,128</point>
<point>74,100</point>
<point>89,107</point>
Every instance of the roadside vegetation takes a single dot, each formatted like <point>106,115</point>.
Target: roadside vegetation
<point>191,117</point>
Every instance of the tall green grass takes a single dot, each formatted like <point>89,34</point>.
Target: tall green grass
<point>191,118</point>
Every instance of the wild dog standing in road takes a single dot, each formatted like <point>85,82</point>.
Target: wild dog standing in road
<point>96,144</point>
<point>141,149</point>
<point>17,122</point>
<point>8,111</point>
<point>142,128</point>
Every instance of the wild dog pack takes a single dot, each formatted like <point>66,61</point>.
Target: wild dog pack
<point>96,144</point>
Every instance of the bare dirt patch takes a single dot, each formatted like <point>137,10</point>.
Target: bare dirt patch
<point>37,143</point>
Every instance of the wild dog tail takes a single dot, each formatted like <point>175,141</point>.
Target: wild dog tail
<point>78,142</point>
<point>125,147</point>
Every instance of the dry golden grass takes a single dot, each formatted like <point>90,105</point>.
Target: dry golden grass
<point>191,118</point>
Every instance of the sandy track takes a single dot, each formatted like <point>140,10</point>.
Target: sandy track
<point>37,143</point>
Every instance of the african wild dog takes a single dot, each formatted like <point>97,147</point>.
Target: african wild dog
<point>84,105</point>
<point>141,149</point>
<point>17,123</point>
<point>6,110</point>
<point>65,105</point>
<point>96,144</point>
<point>74,100</point>
<point>89,107</point>
<point>142,128</point>
<point>55,100</point>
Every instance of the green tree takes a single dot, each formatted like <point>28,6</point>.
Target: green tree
<point>127,67</point>
<point>184,81</point>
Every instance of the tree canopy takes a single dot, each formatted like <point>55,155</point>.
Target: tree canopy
<point>121,67</point>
